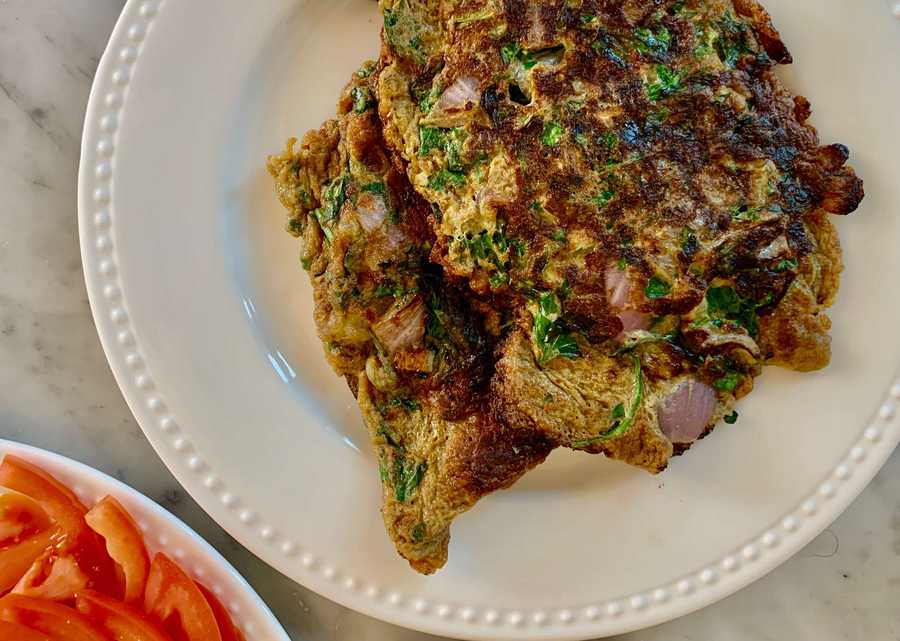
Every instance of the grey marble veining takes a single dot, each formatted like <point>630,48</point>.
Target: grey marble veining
<point>56,390</point>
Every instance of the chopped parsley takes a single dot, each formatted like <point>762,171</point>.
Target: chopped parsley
<point>725,303</point>
<point>446,178</point>
<point>332,200</point>
<point>418,533</point>
<point>602,199</point>
<point>366,70</point>
<point>551,338</point>
<point>745,212</point>
<point>361,100</point>
<point>407,404</point>
<point>374,188</point>
<point>657,288</point>
<point>513,52</point>
<point>621,421</point>
<point>731,419</point>
<point>553,133</point>
<point>406,478</point>
<point>787,264</point>
<point>728,382</point>
<point>652,43</point>
<point>667,83</point>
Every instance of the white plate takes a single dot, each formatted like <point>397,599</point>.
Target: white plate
<point>163,533</point>
<point>205,317</point>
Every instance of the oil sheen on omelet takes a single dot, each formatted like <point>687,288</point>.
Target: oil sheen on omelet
<point>413,354</point>
<point>634,191</point>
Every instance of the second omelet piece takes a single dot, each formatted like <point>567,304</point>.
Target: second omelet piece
<point>636,193</point>
<point>413,353</point>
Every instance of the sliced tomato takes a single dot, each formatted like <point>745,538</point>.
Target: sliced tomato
<point>124,543</point>
<point>175,602</point>
<point>20,517</point>
<point>53,577</point>
<point>59,622</point>
<point>15,632</point>
<point>56,499</point>
<point>16,558</point>
<point>120,621</point>
<point>227,628</point>
<point>67,512</point>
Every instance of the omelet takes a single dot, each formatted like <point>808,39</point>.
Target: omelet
<point>411,350</point>
<point>637,194</point>
<point>576,223</point>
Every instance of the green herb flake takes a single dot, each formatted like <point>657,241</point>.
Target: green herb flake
<point>657,288</point>
<point>603,198</point>
<point>787,264</point>
<point>652,43</point>
<point>728,382</point>
<point>620,419</point>
<point>332,201</point>
<point>724,302</point>
<point>551,339</point>
<point>366,70</point>
<point>446,178</point>
<point>407,477</point>
<point>418,533</point>
<point>731,419</point>
<point>553,133</point>
<point>667,83</point>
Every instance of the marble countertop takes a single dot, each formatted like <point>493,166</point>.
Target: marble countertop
<point>56,391</point>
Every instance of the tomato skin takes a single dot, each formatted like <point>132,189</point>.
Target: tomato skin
<point>120,621</point>
<point>75,539</point>
<point>124,543</point>
<point>175,602</point>
<point>59,622</point>
<point>20,517</point>
<point>16,632</point>
<point>15,559</point>
<point>227,628</point>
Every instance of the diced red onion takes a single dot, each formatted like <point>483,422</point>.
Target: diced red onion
<point>685,413</point>
<point>632,320</point>
<point>459,94</point>
<point>618,287</point>
<point>403,329</point>
<point>371,212</point>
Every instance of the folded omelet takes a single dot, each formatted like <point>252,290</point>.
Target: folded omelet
<point>578,223</point>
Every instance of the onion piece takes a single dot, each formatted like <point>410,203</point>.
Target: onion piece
<point>403,329</point>
<point>618,288</point>
<point>632,320</point>
<point>686,411</point>
<point>461,93</point>
<point>371,211</point>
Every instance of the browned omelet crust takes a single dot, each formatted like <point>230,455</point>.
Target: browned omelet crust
<point>649,138</point>
<point>440,448</point>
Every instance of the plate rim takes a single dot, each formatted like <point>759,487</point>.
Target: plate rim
<point>757,556</point>
<point>201,547</point>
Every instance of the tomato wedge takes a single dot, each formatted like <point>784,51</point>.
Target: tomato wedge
<point>124,543</point>
<point>67,512</point>
<point>54,577</point>
<point>16,632</point>
<point>59,622</point>
<point>175,602</point>
<point>120,621</point>
<point>20,517</point>
<point>227,628</point>
<point>15,559</point>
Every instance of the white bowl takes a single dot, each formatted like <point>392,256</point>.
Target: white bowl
<point>164,533</point>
